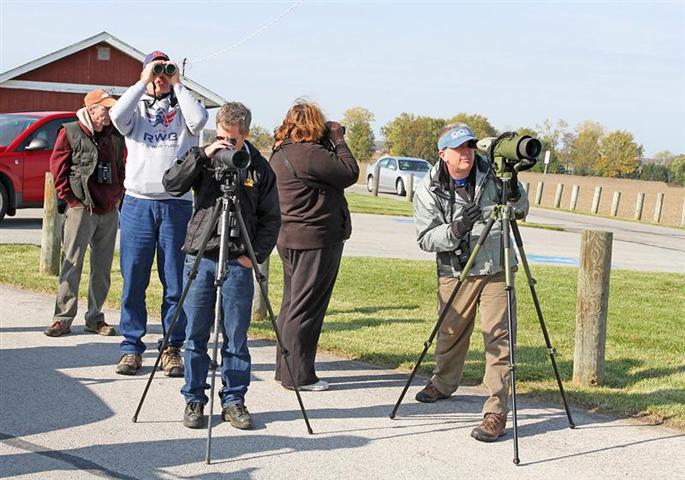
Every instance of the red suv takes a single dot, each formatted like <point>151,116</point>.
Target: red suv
<point>26,143</point>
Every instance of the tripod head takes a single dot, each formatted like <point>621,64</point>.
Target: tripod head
<point>510,152</point>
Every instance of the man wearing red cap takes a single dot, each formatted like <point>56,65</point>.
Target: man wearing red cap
<point>161,121</point>
<point>88,167</point>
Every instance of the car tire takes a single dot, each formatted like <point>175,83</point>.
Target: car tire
<point>4,201</point>
<point>369,183</point>
<point>399,188</point>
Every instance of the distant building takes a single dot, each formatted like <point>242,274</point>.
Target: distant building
<point>58,81</point>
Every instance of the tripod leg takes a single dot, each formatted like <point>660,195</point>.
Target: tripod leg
<point>179,306</point>
<point>261,279</point>
<point>531,283</point>
<point>213,364</point>
<point>511,325</point>
<point>443,313</point>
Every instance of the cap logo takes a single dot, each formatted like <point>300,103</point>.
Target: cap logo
<point>459,133</point>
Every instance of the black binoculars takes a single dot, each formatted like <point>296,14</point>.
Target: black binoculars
<point>169,69</point>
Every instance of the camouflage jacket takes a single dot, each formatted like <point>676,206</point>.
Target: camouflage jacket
<point>435,208</point>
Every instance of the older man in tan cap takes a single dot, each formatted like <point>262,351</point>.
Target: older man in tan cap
<point>88,168</point>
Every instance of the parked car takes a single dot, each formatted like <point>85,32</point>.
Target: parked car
<point>26,143</point>
<point>395,172</point>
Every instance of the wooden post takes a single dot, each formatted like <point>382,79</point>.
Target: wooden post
<point>376,178</point>
<point>574,197</point>
<point>592,307</point>
<point>614,203</point>
<point>259,311</point>
<point>51,237</point>
<point>538,193</point>
<point>526,187</point>
<point>410,188</point>
<point>596,198</point>
<point>557,195</point>
<point>638,205</point>
<point>658,207</point>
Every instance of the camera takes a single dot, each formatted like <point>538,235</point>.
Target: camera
<point>230,159</point>
<point>168,69</point>
<point>104,173</point>
<point>511,151</point>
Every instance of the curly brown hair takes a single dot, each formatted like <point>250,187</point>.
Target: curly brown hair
<point>304,122</point>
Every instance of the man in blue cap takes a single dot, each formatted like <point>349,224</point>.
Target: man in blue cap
<point>451,207</point>
<point>161,121</point>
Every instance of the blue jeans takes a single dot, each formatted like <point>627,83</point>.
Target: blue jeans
<point>236,307</point>
<point>148,227</point>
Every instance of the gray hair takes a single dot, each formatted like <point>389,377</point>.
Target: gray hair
<point>234,113</point>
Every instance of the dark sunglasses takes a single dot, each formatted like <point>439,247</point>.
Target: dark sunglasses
<point>232,141</point>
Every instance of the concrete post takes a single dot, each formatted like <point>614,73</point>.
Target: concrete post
<point>614,203</point>
<point>596,198</point>
<point>638,205</point>
<point>658,207</point>
<point>538,194</point>
<point>574,197</point>
<point>557,195</point>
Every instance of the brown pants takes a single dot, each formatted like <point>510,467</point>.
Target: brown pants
<point>486,293</point>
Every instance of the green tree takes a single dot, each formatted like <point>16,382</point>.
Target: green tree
<point>619,155</point>
<point>413,136</point>
<point>557,140</point>
<point>478,123</point>
<point>262,139</point>
<point>664,157</point>
<point>677,167</point>
<point>585,147</point>
<point>359,135</point>
<point>655,172</point>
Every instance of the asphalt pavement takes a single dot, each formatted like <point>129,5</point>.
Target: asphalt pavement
<point>65,414</point>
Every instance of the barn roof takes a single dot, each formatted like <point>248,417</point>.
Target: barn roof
<point>209,98</point>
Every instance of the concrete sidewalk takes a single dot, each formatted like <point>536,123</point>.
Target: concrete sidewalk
<point>65,414</point>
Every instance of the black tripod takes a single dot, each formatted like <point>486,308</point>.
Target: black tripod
<point>228,215</point>
<point>502,212</point>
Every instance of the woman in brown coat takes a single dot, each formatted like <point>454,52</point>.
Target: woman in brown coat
<point>313,165</point>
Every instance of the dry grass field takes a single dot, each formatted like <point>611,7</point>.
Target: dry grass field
<point>671,213</point>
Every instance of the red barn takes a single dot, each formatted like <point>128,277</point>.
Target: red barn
<point>58,81</point>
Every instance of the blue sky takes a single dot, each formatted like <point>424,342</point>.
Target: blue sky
<point>517,63</point>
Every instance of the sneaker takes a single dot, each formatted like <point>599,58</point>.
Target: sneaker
<point>172,363</point>
<point>102,328</point>
<point>238,415</point>
<point>57,329</point>
<point>491,428</point>
<point>129,363</point>
<point>319,386</point>
<point>430,394</point>
<point>194,416</point>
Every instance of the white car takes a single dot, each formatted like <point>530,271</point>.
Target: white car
<point>395,172</point>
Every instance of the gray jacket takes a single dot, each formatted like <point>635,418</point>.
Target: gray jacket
<point>434,213</point>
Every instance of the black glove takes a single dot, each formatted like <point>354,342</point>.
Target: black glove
<point>335,132</point>
<point>514,193</point>
<point>469,216</point>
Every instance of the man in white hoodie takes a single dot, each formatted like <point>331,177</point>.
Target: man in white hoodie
<point>87,165</point>
<point>160,120</point>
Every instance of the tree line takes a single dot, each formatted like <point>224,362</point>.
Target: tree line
<point>588,149</point>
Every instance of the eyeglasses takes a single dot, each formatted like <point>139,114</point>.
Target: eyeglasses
<point>232,141</point>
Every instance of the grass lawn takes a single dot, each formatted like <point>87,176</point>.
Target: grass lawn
<point>383,310</point>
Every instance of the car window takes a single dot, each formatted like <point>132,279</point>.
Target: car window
<point>415,165</point>
<point>392,164</point>
<point>47,132</point>
<point>11,126</point>
<point>384,163</point>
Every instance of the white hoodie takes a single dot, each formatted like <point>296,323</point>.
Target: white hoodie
<point>156,135</point>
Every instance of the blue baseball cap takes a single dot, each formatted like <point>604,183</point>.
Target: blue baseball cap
<point>156,55</point>
<point>455,137</point>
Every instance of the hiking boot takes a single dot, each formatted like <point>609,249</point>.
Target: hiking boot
<point>238,416</point>
<point>194,416</point>
<point>491,428</point>
<point>430,394</point>
<point>57,329</point>
<point>129,363</point>
<point>172,363</point>
<point>102,328</point>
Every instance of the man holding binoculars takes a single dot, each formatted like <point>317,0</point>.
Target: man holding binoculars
<point>160,120</point>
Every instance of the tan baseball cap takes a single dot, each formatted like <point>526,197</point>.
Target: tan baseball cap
<point>99,97</point>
